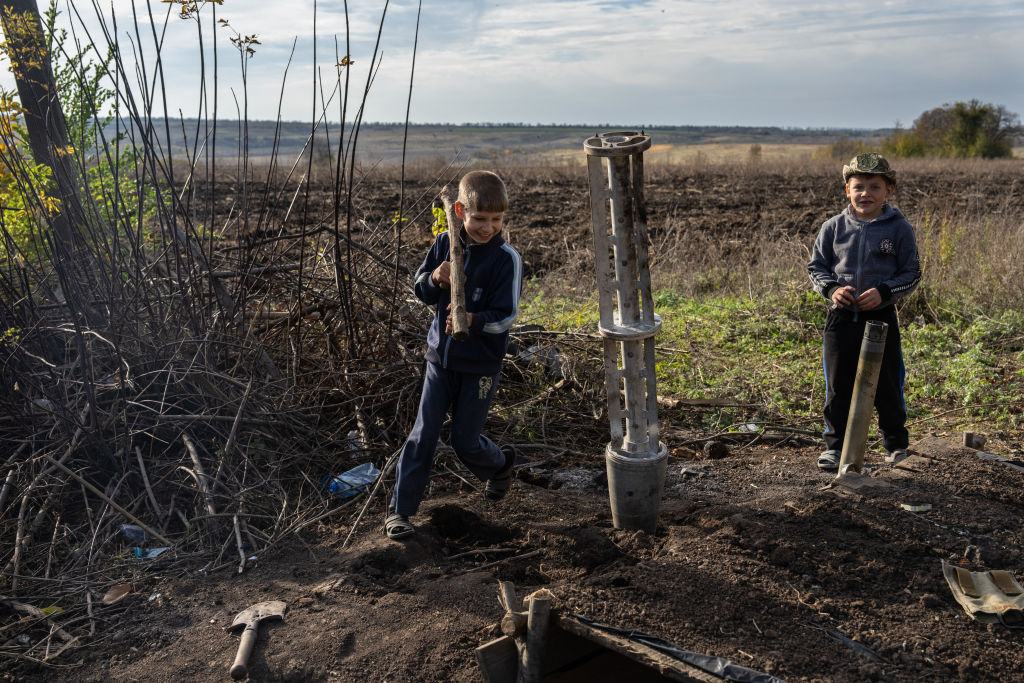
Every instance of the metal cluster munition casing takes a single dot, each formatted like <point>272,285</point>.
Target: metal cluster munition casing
<point>635,457</point>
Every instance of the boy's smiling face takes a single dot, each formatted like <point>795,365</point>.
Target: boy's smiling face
<point>481,226</point>
<point>868,194</point>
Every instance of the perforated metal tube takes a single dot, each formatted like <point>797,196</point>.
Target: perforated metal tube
<point>628,322</point>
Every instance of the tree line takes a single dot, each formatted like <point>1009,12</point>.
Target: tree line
<point>972,129</point>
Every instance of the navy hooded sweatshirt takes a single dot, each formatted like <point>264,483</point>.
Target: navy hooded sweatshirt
<point>494,280</point>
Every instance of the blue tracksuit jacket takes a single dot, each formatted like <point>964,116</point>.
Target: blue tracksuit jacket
<point>494,280</point>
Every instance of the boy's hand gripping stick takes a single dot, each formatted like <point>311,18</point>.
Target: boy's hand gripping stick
<point>460,331</point>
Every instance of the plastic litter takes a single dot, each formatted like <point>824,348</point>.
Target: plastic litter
<point>150,554</point>
<point>353,441</point>
<point>749,428</point>
<point>135,533</point>
<point>352,482</point>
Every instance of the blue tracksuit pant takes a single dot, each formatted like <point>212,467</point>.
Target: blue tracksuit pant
<point>844,332</point>
<point>469,397</point>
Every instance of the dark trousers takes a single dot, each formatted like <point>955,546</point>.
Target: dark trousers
<point>844,331</point>
<point>469,397</point>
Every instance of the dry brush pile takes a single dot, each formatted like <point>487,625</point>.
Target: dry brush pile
<point>188,348</point>
<point>198,385</point>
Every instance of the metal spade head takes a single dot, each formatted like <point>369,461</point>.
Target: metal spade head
<point>271,609</point>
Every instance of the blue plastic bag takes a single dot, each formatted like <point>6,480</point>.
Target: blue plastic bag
<point>348,484</point>
<point>134,532</point>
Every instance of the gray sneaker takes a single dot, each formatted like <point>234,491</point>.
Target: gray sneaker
<point>896,456</point>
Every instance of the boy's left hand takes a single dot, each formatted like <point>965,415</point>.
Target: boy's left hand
<point>448,329</point>
<point>869,300</point>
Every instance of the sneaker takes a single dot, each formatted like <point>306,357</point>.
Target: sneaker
<point>895,456</point>
<point>829,460</point>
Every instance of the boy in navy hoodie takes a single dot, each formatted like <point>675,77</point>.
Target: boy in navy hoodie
<point>864,259</point>
<point>463,375</point>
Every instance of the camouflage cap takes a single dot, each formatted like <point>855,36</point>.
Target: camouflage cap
<point>870,163</point>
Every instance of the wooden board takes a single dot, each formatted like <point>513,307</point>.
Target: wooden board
<point>498,660</point>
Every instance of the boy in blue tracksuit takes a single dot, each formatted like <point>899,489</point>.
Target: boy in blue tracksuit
<point>864,260</point>
<point>463,375</point>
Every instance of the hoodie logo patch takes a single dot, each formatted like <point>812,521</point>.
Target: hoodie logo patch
<point>485,387</point>
<point>477,293</point>
<point>887,246</point>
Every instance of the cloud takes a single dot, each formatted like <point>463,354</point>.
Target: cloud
<point>734,62</point>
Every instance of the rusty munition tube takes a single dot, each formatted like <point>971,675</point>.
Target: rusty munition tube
<point>865,385</point>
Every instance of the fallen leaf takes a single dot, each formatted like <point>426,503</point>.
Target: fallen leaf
<point>116,593</point>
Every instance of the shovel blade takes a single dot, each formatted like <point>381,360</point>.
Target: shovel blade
<point>271,609</point>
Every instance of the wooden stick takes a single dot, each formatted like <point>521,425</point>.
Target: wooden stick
<point>482,551</point>
<point>63,647</point>
<point>149,530</point>
<point>34,611</point>
<point>18,536</point>
<point>514,623</point>
<point>238,419</point>
<point>92,621</point>
<point>238,542</point>
<point>460,331</point>
<point>465,481</point>
<point>497,562</point>
<point>10,477</point>
<point>145,480</point>
<point>201,478</point>
<point>507,595</point>
<point>53,545</point>
<point>248,534</point>
<point>536,634</point>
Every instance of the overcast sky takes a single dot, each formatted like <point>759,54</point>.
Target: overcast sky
<point>804,63</point>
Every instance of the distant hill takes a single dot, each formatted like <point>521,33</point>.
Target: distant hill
<point>383,142</point>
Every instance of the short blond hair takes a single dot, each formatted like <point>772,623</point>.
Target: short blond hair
<point>483,191</point>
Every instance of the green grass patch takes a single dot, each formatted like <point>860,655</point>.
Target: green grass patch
<point>973,362</point>
<point>749,351</point>
<point>764,355</point>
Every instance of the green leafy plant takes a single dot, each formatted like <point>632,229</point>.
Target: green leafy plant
<point>26,188</point>
<point>107,165</point>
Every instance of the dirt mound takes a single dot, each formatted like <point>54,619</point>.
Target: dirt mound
<point>754,559</point>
